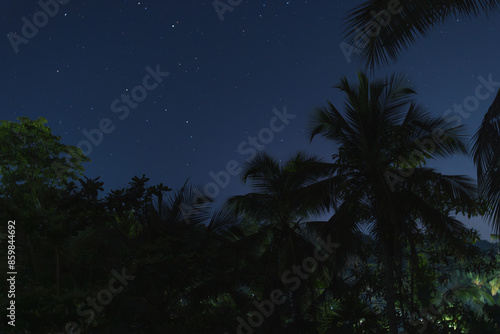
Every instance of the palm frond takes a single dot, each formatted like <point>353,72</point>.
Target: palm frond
<point>486,153</point>
<point>378,31</point>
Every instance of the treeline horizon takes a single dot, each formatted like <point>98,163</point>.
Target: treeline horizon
<point>148,258</point>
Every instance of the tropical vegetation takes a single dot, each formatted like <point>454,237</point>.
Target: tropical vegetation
<point>366,241</point>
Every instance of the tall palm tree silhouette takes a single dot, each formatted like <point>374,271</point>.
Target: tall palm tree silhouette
<point>284,195</point>
<point>390,34</point>
<point>383,137</point>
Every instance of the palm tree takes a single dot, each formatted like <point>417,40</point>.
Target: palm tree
<point>284,197</point>
<point>383,138</point>
<point>396,30</point>
<point>486,150</point>
<point>379,30</point>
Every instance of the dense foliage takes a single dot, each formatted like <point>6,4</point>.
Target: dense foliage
<point>145,260</point>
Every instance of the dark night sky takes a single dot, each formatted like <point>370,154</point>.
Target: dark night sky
<point>226,77</point>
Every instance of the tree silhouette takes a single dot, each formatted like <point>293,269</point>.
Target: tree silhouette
<point>377,37</point>
<point>383,138</point>
<point>281,202</point>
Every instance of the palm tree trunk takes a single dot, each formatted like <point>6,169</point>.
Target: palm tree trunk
<point>414,267</point>
<point>401,288</point>
<point>57,271</point>
<point>390,291</point>
<point>32,256</point>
